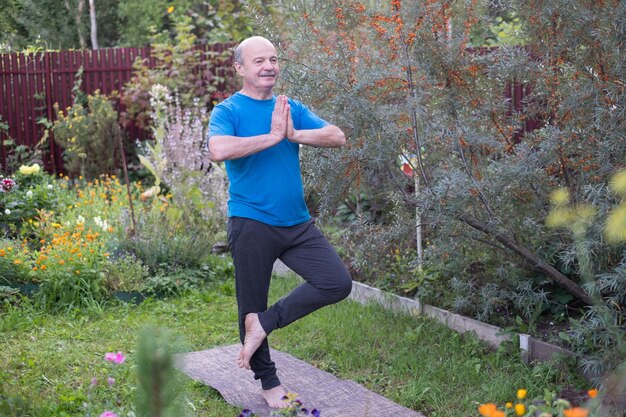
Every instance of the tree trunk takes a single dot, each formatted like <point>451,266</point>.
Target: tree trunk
<point>535,260</point>
<point>77,17</point>
<point>94,24</point>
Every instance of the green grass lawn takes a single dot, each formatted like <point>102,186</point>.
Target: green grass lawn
<point>49,360</point>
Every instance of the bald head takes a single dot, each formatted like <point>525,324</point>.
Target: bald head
<point>257,64</point>
<point>246,44</point>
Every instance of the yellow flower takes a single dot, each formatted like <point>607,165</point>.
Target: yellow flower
<point>521,393</point>
<point>593,393</point>
<point>618,182</point>
<point>520,409</point>
<point>560,217</point>
<point>17,261</point>
<point>560,196</point>
<point>509,405</point>
<point>291,396</point>
<point>29,170</point>
<point>170,9</point>
<point>615,230</point>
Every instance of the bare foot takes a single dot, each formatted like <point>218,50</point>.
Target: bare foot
<point>252,340</point>
<point>274,397</point>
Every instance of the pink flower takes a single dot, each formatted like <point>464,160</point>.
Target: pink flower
<point>108,414</point>
<point>111,381</point>
<point>116,358</point>
<point>94,381</point>
<point>6,184</point>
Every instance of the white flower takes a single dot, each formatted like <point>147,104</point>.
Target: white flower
<point>29,194</point>
<point>7,212</point>
<point>50,186</point>
<point>159,96</point>
<point>80,219</point>
<point>102,223</point>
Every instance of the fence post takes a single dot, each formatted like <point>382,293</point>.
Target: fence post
<point>49,107</point>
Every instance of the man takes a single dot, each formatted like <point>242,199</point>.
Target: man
<point>259,135</point>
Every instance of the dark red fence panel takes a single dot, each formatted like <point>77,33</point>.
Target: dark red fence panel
<point>518,97</point>
<point>30,85</point>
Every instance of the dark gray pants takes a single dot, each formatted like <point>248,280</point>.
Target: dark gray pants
<point>255,246</point>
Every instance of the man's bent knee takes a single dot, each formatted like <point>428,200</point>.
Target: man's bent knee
<point>344,287</point>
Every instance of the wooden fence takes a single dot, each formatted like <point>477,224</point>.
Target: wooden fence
<point>30,84</point>
<point>516,95</point>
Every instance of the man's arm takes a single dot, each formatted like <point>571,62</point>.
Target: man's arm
<point>223,147</point>
<point>329,136</point>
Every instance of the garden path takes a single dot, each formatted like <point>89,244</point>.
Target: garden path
<point>315,388</point>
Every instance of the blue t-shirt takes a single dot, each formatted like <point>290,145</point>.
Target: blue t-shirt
<point>265,186</point>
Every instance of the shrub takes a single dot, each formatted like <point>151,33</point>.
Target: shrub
<point>20,155</point>
<point>11,268</point>
<point>179,158</point>
<point>69,268</point>
<point>125,273</point>
<point>63,248</point>
<point>164,240</point>
<point>89,133</point>
<point>24,195</point>
<point>180,65</point>
<point>405,85</point>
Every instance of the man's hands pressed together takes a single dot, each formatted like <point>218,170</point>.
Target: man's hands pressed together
<point>281,119</point>
<point>329,136</point>
<point>231,147</point>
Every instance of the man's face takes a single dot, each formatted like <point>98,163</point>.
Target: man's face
<point>260,65</point>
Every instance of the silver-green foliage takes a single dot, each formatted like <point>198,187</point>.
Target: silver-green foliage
<point>402,80</point>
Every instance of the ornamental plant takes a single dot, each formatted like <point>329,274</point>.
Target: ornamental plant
<point>295,408</point>
<point>29,190</point>
<point>179,64</point>
<point>602,344</point>
<point>102,393</point>
<point>160,388</point>
<point>179,158</point>
<point>89,134</point>
<point>67,266</point>
<point>546,406</point>
<point>66,248</point>
<point>20,155</point>
<point>406,80</point>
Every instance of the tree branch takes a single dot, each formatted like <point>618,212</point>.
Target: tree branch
<point>538,263</point>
